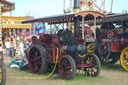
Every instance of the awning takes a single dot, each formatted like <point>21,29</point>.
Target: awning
<point>7,6</point>
<point>117,18</point>
<point>16,26</point>
<point>67,17</point>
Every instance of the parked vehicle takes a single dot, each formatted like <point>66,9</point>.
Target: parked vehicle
<point>66,47</point>
<point>112,39</point>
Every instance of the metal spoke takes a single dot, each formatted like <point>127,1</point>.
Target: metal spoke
<point>94,69</point>
<point>65,63</point>
<point>36,68</point>
<point>39,63</point>
<point>39,57</point>
<point>36,53</point>
<point>32,51</point>
<point>32,60</point>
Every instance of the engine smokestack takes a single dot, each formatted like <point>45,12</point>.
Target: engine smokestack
<point>76,5</point>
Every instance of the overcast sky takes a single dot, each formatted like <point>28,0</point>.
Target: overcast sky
<point>41,8</point>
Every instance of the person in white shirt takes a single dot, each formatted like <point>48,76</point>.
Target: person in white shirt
<point>1,52</point>
<point>8,45</point>
<point>12,49</point>
<point>21,49</point>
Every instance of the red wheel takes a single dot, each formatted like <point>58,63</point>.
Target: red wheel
<point>67,67</point>
<point>94,65</point>
<point>37,59</point>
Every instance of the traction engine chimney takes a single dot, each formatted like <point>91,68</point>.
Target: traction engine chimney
<point>76,7</point>
<point>76,19</point>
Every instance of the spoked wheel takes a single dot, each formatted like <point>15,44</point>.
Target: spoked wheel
<point>37,59</point>
<point>94,65</point>
<point>124,59</point>
<point>104,50</point>
<point>2,73</point>
<point>67,67</point>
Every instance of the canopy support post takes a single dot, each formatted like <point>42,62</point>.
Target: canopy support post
<point>95,27</point>
<point>50,28</point>
<point>83,27</point>
<point>63,26</point>
<point>0,24</point>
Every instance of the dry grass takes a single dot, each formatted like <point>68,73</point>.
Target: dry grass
<point>110,75</point>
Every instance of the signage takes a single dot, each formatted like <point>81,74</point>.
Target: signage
<point>39,28</point>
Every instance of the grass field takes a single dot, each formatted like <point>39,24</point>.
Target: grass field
<point>110,75</point>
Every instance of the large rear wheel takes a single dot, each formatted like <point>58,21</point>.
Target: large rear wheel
<point>124,59</point>
<point>37,59</point>
<point>67,67</point>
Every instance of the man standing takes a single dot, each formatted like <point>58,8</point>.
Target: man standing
<point>1,52</point>
<point>7,44</point>
<point>12,49</point>
<point>21,49</point>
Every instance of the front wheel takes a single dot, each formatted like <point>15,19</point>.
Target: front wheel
<point>104,50</point>
<point>67,67</point>
<point>124,59</point>
<point>2,73</point>
<point>94,65</point>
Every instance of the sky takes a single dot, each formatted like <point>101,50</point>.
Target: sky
<point>41,8</point>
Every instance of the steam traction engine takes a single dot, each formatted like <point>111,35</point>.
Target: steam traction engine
<point>66,48</point>
<point>112,38</point>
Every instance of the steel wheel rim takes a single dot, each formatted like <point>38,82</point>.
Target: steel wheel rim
<point>34,60</point>
<point>65,68</point>
<point>124,59</point>
<point>1,75</point>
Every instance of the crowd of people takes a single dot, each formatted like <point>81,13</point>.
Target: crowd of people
<point>16,46</point>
